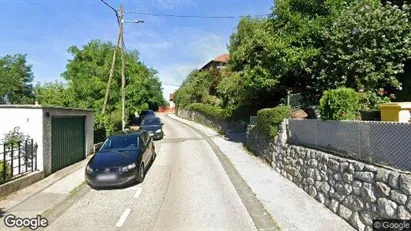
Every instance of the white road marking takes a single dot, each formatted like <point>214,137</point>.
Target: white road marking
<point>138,192</point>
<point>123,217</point>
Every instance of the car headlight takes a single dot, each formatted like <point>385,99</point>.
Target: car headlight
<point>158,131</point>
<point>88,169</point>
<point>129,167</point>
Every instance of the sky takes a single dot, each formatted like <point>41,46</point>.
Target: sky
<point>45,29</point>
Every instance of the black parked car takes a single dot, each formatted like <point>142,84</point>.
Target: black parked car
<point>146,113</point>
<point>154,126</point>
<point>122,159</point>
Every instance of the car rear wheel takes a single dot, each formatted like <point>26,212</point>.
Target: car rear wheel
<point>141,174</point>
<point>154,154</point>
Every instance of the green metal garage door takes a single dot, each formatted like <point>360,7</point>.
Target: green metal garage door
<point>67,141</point>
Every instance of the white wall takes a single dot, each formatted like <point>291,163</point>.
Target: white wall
<point>30,121</point>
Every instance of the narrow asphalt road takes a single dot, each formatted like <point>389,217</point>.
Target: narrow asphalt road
<point>186,188</point>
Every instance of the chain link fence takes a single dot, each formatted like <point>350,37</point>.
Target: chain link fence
<point>296,100</point>
<point>385,143</point>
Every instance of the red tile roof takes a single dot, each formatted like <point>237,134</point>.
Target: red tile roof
<point>222,58</point>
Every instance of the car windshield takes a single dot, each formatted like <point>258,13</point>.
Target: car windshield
<point>151,121</point>
<point>145,113</point>
<point>120,143</point>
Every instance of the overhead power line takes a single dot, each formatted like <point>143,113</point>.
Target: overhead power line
<point>192,16</point>
<point>118,20</point>
<point>109,6</point>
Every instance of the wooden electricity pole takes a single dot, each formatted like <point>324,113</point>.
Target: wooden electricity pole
<point>123,66</point>
<point>120,38</point>
<point>111,72</point>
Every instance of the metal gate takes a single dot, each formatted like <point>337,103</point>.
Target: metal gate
<point>67,141</point>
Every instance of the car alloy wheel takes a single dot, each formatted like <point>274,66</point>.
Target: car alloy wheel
<point>154,154</point>
<point>141,173</point>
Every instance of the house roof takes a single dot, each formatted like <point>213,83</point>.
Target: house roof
<point>219,59</point>
<point>222,58</point>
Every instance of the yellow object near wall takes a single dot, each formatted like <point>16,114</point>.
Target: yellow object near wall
<point>396,111</point>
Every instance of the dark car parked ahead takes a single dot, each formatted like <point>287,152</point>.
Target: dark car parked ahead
<point>145,114</point>
<point>154,126</point>
<point>121,160</point>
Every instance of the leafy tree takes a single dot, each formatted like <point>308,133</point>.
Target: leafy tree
<point>16,80</point>
<point>257,56</point>
<point>53,94</point>
<point>87,76</point>
<point>371,100</point>
<point>195,89</point>
<point>273,54</point>
<point>231,90</point>
<point>365,48</point>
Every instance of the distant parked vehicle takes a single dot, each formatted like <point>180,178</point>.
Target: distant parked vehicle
<point>154,126</point>
<point>146,113</point>
<point>122,159</point>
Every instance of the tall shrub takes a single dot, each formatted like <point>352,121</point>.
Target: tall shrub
<point>339,104</point>
<point>268,119</point>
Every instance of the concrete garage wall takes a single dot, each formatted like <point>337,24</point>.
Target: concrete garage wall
<point>356,191</point>
<point>29,118</point>
<point>219,125</point>
<point>47,131</point>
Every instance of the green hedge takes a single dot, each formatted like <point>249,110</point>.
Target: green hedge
<point>8,172</point>
<point>268,119</point>
<point>339,104</point>
<point>209,110</point>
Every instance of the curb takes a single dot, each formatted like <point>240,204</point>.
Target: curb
<point>261,218</point>
<point>70,169</point>
<point>57,210</point>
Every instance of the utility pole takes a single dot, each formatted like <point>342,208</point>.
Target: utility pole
<point>120,38</point>
<point>111,72</point>
<point>123,66</point>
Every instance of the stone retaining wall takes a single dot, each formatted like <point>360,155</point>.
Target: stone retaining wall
<point>219,125</point>
<point>259,144</point>
<point>356,191</point>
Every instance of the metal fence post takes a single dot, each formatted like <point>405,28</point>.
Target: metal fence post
<point>25,155</point>
<point>19,144</point>
<point>32,156</point>
<point>35,161</point>
<point>359,140</point>
<point>316,133</point>
<point>4,163</point>
<point>11,159</point>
